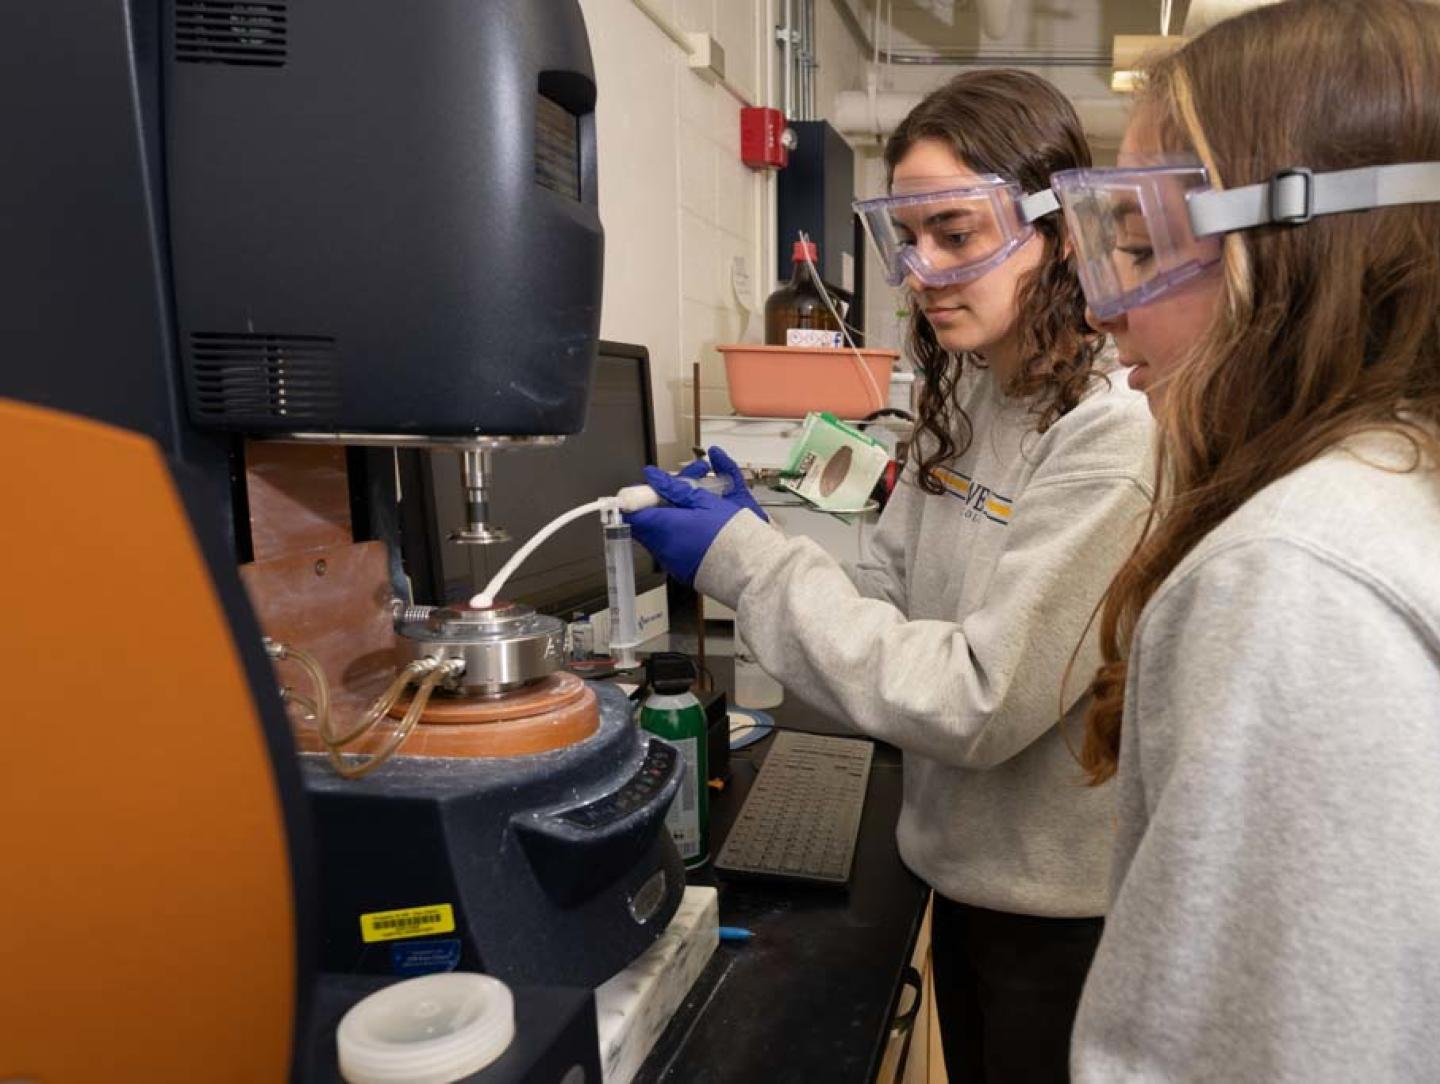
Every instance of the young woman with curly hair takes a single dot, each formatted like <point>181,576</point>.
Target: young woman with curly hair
<point>1267,257</point>
<point>1028,484</point>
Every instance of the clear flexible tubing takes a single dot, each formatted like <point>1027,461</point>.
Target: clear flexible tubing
<point>401,732</point>
<point>880,397</point>
<point>434,672</point>
<point>377,711</point>
<point>629,499</point>
<point>320,706</point>
<point>486,597</point>
<point>305,704</point>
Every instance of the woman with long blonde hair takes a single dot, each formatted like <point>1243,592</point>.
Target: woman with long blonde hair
<point>1267,257</point>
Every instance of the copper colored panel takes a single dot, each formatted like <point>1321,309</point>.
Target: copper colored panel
<point>573,715</point>
<point>335,604</point>
<point>146,905</point>
<point>299,498</point>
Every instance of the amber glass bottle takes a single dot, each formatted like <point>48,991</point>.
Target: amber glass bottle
<point>799,304</point>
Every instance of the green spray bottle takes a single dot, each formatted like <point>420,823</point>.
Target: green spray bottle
<point>672,712</point>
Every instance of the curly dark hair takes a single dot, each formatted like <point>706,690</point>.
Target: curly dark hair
<point>1020,127</point>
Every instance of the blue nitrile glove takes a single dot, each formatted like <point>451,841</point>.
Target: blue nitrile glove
<point>723,465</point>
<point>679,536</point>
<point>740,493</point>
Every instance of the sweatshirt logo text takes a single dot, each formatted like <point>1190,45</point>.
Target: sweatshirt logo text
<point>979,499</point>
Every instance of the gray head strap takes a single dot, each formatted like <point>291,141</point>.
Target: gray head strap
<point>1294,196</point>
<point>1038,205</point>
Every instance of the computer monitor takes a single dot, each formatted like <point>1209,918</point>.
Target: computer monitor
<point>532,486</point>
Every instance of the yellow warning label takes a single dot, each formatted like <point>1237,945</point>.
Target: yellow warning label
<point>409,922</point>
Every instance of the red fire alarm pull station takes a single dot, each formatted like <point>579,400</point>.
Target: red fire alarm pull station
<point>764,140</point>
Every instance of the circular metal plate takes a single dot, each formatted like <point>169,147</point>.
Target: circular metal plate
<point>485,536</point>
<point>503,647</point>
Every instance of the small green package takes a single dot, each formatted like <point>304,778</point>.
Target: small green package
<point>834,466</point>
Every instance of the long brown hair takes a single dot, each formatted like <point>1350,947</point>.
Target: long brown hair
<point>1324,329</point>
<point>1018,126</point>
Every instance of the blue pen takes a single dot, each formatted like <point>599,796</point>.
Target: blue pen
<point>735,933</point>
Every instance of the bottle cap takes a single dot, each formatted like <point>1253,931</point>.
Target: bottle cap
<point>435,1028</point>
<point>669,672</point>
<point>801,249</point>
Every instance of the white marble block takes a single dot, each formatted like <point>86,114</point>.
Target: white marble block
<point>634,1006</point>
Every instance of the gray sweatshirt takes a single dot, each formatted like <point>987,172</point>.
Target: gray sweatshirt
<point>1277,910</point>
<point>950,641</point>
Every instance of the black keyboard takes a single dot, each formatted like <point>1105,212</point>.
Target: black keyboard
<point>801,817</point>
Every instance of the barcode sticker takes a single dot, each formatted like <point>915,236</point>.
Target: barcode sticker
<point>683,819</point>
<point>409,922</point>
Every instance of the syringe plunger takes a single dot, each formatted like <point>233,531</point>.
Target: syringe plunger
<point>634,498</point>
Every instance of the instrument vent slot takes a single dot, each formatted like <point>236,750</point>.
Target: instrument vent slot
<point>251,33</point>
<point>248,375</point>
<point>557,148</point>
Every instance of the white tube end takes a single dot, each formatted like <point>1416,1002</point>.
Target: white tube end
<point>634,498</point>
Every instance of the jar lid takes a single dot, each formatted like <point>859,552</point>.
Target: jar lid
<point>429,1030</point>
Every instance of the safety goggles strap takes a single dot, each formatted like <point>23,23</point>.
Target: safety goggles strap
<point>1038,205</point>
<point>1294,196</point>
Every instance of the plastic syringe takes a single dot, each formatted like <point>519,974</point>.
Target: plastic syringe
<point>634,498</point>
<point>629,499</point>
<point>620,571</point>
<point>620,586</point>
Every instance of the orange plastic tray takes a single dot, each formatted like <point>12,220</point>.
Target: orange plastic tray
<point>791,381</point>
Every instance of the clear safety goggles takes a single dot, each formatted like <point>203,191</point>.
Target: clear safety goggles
<point>1141,233</point>
<point>948,235</point>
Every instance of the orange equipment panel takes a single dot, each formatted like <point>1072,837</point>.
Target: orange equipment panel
<point>146,917</point>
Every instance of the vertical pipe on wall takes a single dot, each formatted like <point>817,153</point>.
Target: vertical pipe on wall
<point>798,32</point>
<point>788,48</point>
<point>814,60</point>
<point>804,59</point>
<point>767,205</point>
<point>810,62</point>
